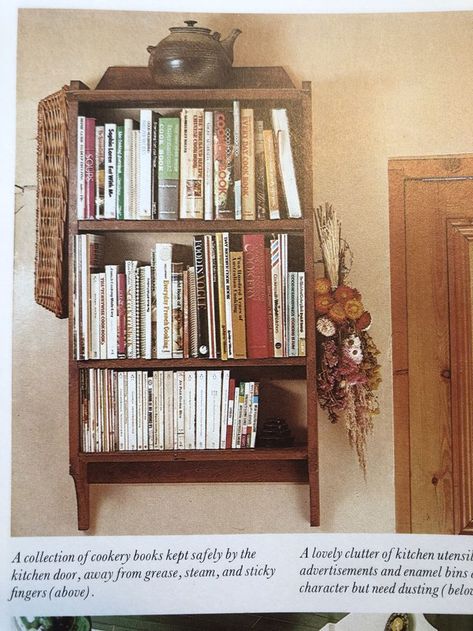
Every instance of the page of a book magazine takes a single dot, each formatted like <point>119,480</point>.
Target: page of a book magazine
<point>241,328</point>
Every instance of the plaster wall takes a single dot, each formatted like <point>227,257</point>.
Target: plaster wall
<point>383,86</point>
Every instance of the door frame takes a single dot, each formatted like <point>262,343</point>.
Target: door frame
<point>400,171</point>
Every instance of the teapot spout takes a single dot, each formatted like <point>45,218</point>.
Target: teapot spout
<point>228,42</point>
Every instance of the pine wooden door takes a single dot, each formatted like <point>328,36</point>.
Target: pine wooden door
<point>424,195</point>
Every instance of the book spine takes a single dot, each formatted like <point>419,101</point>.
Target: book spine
<point>230,412</point>
<point>189,409</point>
<point>277,298</point>
<point>210,295</point>
<point>238,305</point>
<point>185,315</point>
<point>192,164</point>
<point>121,315</point>
<point>110,171</point>
<point>102,316</point>
<point>254,415</point>
<point>89,168</point>
<point>223,165</point>
<point>201,297</point>
<point>293,315</point>
<point>301,310</point>
<point>237,160</point>
<point>208,165</point>
<point>145,311</point>
<point>193,317</point>
<point>177,310</point>
<point>286,162</point>
<point>200,409</point>
<point>135,172</point>
<point>248,165</point>
<point>132,408</point>
<point>145,172</point>
<point>139,411</point>
<point>131,309</point>
<point>224,409</point>
<point>99,171</point>
<point>160,405</point>
<point>214,400</point>
<point>168,168</point>
<point>255,296</point>
<point>227,295</point>
<point>111,273</point>
<point>149,415</point>
<point>163,260</point>
<point>128,124</point>
<point>283,249</point>
<point>120,213</point>
<point>221,295</point>
<point>271,174</point>
<point>260,172</point>
<point>94,341</point>
<point>179,418</point>
<point>154,167</point>
<point>80,202</point>
<point>168,409</point>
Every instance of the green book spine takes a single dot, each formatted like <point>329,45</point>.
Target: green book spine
<point>120,179</point>
<point>168,168</point>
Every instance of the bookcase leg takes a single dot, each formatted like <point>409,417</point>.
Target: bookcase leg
<point>82,496</point>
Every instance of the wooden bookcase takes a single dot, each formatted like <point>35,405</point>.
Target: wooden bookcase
<point>253,87</point>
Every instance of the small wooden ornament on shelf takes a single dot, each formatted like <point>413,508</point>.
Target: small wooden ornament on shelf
<point>275,432</point>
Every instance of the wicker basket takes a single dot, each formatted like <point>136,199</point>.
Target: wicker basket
<point>51,208</point>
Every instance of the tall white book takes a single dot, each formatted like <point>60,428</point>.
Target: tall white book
<point>224,409</point>
<point>168,409</point>
<point>145,171</point>
<point>200,409</point>
<point>189,409</point>
<point>208,165</point>
<point>214,404</point>
<point>286,162</point>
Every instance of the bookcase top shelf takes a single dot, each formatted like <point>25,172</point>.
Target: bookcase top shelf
<point>139,78</point>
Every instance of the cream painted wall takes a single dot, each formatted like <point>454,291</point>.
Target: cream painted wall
<point>383,86</point>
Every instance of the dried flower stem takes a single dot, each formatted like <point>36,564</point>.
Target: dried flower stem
<point>329,231</point>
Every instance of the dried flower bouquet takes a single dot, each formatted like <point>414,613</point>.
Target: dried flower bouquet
<point>348,371</point>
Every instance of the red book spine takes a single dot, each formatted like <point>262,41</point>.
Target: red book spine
<point>257,339</point>
<point>121,313</point>
<point>89,168</point>
<point>269,305</point>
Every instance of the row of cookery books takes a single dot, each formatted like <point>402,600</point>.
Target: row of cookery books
<point>225,297</point>
<point>196,164</point>
<point>165,409</point>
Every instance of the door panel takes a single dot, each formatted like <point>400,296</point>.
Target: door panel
<point>424,194</point>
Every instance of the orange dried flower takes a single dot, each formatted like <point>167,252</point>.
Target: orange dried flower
<point>353,309</point>
<point>363,322</point>
<point>323,303</point>
<point>337,313</point>
<point>322,286</point>
<point>344,293</point>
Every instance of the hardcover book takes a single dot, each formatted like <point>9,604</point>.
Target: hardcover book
<point>255,296</point>
<point>223,165</point>
<point>168,168</point>
<point>192,164</point>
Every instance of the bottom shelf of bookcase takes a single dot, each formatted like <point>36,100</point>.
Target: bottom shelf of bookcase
<point>232,465</point>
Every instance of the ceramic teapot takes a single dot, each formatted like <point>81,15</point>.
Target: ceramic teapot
<point>192,57</point>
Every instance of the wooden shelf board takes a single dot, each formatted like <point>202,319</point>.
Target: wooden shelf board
<point>155,98</point>
<point>198,364</point>
<point>190,225</point>
<point>209,455</point>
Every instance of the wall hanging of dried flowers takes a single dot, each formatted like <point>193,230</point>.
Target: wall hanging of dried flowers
<point>348,373</point>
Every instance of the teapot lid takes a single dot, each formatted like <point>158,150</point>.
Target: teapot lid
<point>190,28</point>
